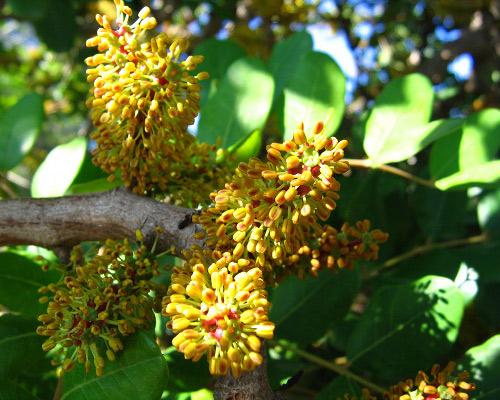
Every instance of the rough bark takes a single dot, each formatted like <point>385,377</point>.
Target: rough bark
<point>60,223</point>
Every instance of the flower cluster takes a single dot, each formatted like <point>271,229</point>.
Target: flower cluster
<point>338,248</point>
<point>102,297</point>
<point>271,209</point>
<point>219,308</point>
<point>440,385</point>
<point>142,100</point>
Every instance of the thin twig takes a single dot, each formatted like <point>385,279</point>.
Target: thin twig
<point>333,367</point>
<point>391,170</point>
<point>426,248</point>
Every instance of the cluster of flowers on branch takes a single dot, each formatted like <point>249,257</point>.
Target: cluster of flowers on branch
<point>268,221</point>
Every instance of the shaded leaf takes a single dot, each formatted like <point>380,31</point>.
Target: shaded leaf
<point>19,128</point>
<point>240,105</point>
<point>483,363</point>
<point>30,9</point>
<point>97,185</point>
<point>337,388</point>
<point>401,321</point>
<point>185,375</point>
<point>404,105</point>
<point>20,279</point>
<point>488,212</point>
<point>11,390</point>
<point>57,28</point>
<point>19,343</point>
<point>247,147</point>
<point>139,372</point>
<point>314,92</point>
<point>56,173</point>
<point>304,308</point>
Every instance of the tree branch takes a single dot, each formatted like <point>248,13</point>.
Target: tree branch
<point>66,221</point>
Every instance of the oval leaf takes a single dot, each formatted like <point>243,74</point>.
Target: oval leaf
<point>404,104</point>
<point>140,372</point>
<point>315,92</point>
<point>401,321</point>
<point>21,275</point>
<point>483,363</point>
<point>329,295</point>
<point>19,129</point>
<point>56,173</point>
<point>240,105</point>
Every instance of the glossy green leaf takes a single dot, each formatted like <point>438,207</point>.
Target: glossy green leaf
<point>248,147</point>
<point>403,143</point>
<point>57,28</point>
<point>483,363</point>
<point>286,56</point>
<point>401,113</point>
<point>488,212</point>
<point>240,105</point>
<point>454,158</point>
<point>219,55</point>
<point>185,375</point>
<point>20,279</point>
<point>406,328</point>
<point>56,173</point>
<point>486,174</point>
<point>19,344</point>
<point>19,128</point>
<point>314,92</point>
<point>304,308</point>
<point>140,372</point>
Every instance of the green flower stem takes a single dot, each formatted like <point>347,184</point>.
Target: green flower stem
<point>331,366</point>
<point>391,170</point>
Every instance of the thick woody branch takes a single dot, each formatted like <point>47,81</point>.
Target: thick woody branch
<point>63,222</point>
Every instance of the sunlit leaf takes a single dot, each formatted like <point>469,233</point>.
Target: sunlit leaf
<point>407,327</point>
<point>486,174</point>
<point>19,128</point>
<point>20,279</point>
<point>314,92</point>
<point>483,363</point>
<point>240,105</point>
<point>248,147</point>
<point>139,372</point>
<point>405,105</point>
<point>319,301</point>
<point>56,173</point>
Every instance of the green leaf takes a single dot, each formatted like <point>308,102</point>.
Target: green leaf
<point>97,185</point>
<point>20,279</point>
<point>19,128</point>
<point>454,158</point>
<point>487,174</point>
<point>483,363</point>
<point>219,55</point>
<point>11,390</point>
<point>304,308</point>
<point>488,212</point>
<point>30,9</point>
<point>286,56</point>
<point>315,92</point>
<point>19,344</point>
<point>185,375</point>
<point>139,372</point>
<point>404,143</point>
<point>400,114</point>
<point>406,328</point>
<point>337,388</point>
<point>57,28</point>
<point>240,105</point>
<point>248,147</point>
<point>56,173</point>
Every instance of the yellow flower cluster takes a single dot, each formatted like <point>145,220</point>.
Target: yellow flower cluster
<point>102,297</point>
<point>142,100</point>
<point>271,209</point>
<point>440,385</point>
<point>219,308</point>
